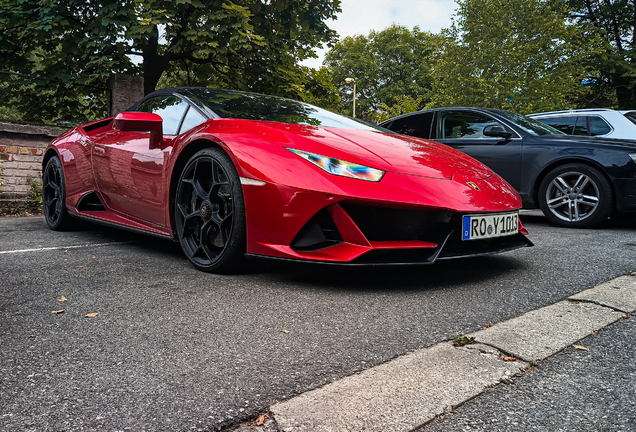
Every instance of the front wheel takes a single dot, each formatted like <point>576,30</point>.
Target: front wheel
<point>576,195</point>
<point>54,196</point>
<point>209,213</point>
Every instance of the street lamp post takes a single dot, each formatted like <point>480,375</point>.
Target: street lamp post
<point>352,81</point>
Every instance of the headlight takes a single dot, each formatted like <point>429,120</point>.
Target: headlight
<point>340,167</point>
<point>633,156</point>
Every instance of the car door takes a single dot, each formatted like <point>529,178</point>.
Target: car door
<point>129,174</point>
<point>463,130</point>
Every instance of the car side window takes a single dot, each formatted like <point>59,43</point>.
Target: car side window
<point>599,126</point>
<point>580,128</point>
<point>468,125</point>
<point>417,125</point>
<point>564,124</point>
<point>169,108</point>
<point>191,119</point>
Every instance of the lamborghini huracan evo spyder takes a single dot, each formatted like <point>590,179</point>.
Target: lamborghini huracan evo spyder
<point>233,175</point>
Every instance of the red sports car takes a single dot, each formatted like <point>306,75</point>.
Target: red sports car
<point>232,175</point>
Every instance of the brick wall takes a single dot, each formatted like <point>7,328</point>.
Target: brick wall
<point>21,151</point>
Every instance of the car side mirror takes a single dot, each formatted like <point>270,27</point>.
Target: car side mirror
<point>142,122</point>
<point>496,131</point>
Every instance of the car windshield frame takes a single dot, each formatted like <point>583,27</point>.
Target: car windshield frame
<point>259,107</point>
<point>527,124</point>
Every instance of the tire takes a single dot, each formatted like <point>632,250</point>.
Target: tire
<point>209,213</point>
<point>576,195</point>
<point>54,196</point>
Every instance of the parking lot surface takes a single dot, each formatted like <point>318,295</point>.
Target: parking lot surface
<point>173,348</point>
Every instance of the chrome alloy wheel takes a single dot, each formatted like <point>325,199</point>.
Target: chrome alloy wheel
<point>572,196</point>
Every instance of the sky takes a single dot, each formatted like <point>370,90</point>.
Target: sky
<point>362,16</point>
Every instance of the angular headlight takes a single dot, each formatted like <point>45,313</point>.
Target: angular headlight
<point>633,156</point>
<point>340,167</point>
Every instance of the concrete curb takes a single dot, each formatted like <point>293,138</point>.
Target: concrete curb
<point>411,390</point>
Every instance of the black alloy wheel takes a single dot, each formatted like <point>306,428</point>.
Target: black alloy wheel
<point>209,213</point>
<point>577,196</point>
<point>54,195</point>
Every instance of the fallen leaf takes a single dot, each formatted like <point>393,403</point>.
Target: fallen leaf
<point>91,315</point>
<point>80,266</point>
<point>58,311</point>
<point>260,420</point>
<point>510,358</point>
<point>579,347</point>
<point>285,331</point>
<point>488,325</point>
<point>28,242</point>
<point>62,299</point>
<point>94,257</point>
<point>30,336</point>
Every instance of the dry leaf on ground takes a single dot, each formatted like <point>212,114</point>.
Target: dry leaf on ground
<point>58,311</point>
<point>510,358</point>
<point>579,347</point>
<point>285,331</point>
<point>30,336</point>
<point>260,420</point>
<point>91,315</point>
<point>62,299</point>
<point>488,325</point>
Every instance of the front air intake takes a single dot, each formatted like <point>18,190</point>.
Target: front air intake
<point>318,233</point>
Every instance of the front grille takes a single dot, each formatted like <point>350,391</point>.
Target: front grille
<point>394,224</point>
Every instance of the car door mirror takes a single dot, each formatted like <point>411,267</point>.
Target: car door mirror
<point>496,131</point>
<point>142,122</point>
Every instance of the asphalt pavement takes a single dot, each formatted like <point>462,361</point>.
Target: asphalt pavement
<point>172,348</point>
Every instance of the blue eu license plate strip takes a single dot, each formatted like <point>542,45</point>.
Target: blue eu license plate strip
<point>475,227</point>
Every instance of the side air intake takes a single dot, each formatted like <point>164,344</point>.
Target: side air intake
<point>90,202</point>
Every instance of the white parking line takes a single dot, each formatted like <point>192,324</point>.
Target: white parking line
<point>64,247</point>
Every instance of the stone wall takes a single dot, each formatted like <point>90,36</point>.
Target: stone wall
<point>21,151</point>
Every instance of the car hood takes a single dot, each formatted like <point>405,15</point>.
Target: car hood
<point>386,151</point>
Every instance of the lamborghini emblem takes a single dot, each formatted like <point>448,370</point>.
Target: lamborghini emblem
<point>473,185</point>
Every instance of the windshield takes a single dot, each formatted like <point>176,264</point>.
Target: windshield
<point>253,106</point>
<point>531,126</point>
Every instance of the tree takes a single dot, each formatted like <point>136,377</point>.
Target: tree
<point>520,55</point>
<point>248,44</point>
<point>385,64</point>
<point>613,21</point>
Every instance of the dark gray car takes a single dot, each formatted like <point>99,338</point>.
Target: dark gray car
<point>577,181</point>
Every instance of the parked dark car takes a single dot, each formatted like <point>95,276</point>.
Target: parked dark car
<point>577,181</point>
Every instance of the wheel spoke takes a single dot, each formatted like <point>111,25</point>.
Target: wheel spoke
<point>561,185</point>
<point>589,200</point>
<point>206,241</point>
<point>577,214</point>
<point>557,202</point>
<point>577,183</point>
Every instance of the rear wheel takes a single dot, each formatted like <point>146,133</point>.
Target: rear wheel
<point>54,195</point>
<point>209,213</point>
<point>576,196</point>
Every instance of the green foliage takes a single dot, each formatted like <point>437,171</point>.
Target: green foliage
<point>519,55</point>
<point>385,64</point>
<point>34,197</point>
<point>612,22</point>
<point>2,179</point>
<point>461,340</point>
<point>42,101</point>
<point>242,44</point>
<point>404,105</point>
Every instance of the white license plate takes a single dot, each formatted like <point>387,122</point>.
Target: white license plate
<point>477,227</point>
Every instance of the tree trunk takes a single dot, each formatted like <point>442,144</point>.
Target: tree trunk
<point>624,93</point>
<point>152,63</point>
